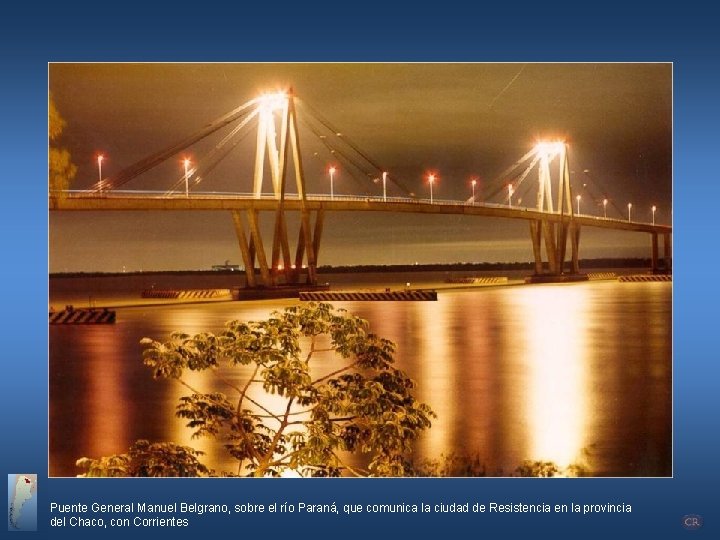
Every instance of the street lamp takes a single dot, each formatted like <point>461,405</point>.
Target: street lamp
<point>431,179</point>
<point>186,162</point>
<point>510,194</point>
<point>332,176</point>
<point>100,160</point>
<point>629,211</point>
<point>384,187</point>
<point>653,211</point>
<point>474,183</point>
<point>578,204</point>
<point>605,208</point>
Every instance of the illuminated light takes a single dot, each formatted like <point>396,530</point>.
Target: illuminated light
<point>653,214</point>
<point>273,101</point>
<point>549,147</point>
<point>629,211</point>
<point>431,180</point>
<point>578,203</point>
<point>99,162</point>
<point>332,170</point>
<point>186,163</point>
<point>293,266</point>
<point>605,201</point>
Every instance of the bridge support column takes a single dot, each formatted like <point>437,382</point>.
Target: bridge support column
<point>575,245</point>
<point>550,248</point>
<point>666,253</point>
<point>265,277</point>
<point>561,247</point>
<point>536,237</point>
<point>655,265</point>
<point>247,255</point>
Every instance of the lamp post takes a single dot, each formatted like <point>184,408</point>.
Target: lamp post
<point>473,182</point>
<point>605,208</point>
<point>578,204</point>
<point>431,179</point>
<point>332,176</point>
<point>653,212</point>
<point>100,160</point>
<point>629,211</point>
<point>510,194</point>
<point>186,162</point>
<point>384,186</point>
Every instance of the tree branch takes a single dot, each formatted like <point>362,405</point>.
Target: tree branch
<point>337,372</point>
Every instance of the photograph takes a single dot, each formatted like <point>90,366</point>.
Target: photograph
<point>360,269</point>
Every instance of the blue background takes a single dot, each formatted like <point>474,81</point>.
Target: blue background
<point>345,32</point>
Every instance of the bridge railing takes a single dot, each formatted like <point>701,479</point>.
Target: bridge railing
<point>157,194</point>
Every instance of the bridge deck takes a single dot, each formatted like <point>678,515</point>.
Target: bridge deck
<point>205,202</point>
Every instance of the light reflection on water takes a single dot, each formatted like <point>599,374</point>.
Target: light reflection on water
<point>564,373</point>
<point>554,358</point>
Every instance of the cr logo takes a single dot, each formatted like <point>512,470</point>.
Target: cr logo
<point>692,522</point>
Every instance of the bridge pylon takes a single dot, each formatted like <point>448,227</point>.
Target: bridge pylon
<point>552,232</point>
<point>274,109</point>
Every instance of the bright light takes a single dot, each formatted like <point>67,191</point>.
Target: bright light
<point>332,170</point>
<point>431,178</point>
<point>186,162</point>
<point>654,208</point>
<point>100,158</point>
<point>548,147</point>
<point>273,101</point>
<point>474,183</point>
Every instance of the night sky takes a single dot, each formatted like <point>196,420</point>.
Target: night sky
<point>458,120</point>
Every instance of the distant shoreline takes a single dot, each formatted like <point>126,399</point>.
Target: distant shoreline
<point>585,264</point>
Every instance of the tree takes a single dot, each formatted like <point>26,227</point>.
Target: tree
<point>361,404</point>
<point>61,168</point>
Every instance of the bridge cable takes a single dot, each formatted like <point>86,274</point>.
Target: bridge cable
<point>320,118</point>
<point>139,167</point>
<point>349,161</point>
<point>208,162</point>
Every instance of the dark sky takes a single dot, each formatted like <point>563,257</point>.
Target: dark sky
<point>460,120</point>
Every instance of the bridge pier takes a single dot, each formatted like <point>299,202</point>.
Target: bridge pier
<point>555,238</point>
<point>657,268</point>
<point>253,250</point>
<point>667,254</point>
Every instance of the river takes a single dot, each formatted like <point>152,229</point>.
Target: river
<point>573,374</point>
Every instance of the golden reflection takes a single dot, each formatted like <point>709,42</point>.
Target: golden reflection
<point>435,385</point>
<point>107,420</point>
<point>554,333</point>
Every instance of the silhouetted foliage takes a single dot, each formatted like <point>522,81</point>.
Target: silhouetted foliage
<point>147,460</point>
<point>355,401</point>
<point>61,169</point>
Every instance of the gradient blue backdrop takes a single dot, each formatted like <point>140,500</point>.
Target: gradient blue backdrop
<point>556,31</point>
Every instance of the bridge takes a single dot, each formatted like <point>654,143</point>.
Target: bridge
<point>553,221</point>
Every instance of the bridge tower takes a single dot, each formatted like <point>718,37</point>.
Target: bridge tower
<point>553,232</point>
<point>273,111</point>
